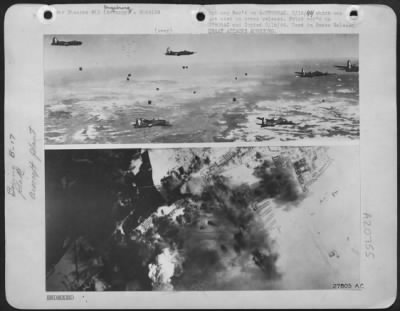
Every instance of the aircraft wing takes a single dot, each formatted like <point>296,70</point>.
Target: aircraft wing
<point>185,53</point>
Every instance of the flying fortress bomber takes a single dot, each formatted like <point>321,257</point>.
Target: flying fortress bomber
<point>274,121</point>
<point>142,123</point>
<point>55,41</point>
<point>348,68</point>
<point>311,74</point>
<point>169,52</point>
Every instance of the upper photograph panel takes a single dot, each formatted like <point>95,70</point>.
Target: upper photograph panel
<point>200,88</point>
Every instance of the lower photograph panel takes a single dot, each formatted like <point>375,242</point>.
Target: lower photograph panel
<point>202,219</point>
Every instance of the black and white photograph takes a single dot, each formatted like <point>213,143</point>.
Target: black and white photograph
<point>202,219</point>
<point>200,88</point>
<point>207,156</point>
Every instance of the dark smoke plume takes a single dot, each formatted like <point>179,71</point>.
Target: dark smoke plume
<point>276,182</point>
<point>213,254</point>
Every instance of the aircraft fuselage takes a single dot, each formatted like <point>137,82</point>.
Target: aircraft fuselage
<point>179,53</point>
<point>311,74</point>
<point>66,43</point>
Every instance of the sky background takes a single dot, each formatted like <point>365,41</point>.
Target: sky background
<point>105,51</point>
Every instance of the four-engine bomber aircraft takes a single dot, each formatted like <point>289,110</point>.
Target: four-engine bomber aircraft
<point>141,122</point>
<point>348,68</point>
<point>55,41</point>
<point>311,74</point>
<point>169,52</point>
<point>274,121</point>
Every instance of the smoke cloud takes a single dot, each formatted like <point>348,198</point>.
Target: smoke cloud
<point>276,182</point>
<point>220,243</point>
<point>219,237</point>
<point>168,264</point>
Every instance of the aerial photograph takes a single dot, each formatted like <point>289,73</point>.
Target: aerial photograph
<point>202,219</point>
<point>127,89</point>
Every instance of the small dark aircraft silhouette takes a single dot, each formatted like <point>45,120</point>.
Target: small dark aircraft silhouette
<point>55,41</point>
<point>311,74</point>
<point>348,68</point>
<point>169,52</point>
<point>141,123</point>
<point>274,121</point>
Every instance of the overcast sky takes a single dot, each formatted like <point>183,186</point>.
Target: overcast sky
<point>122,50</point>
